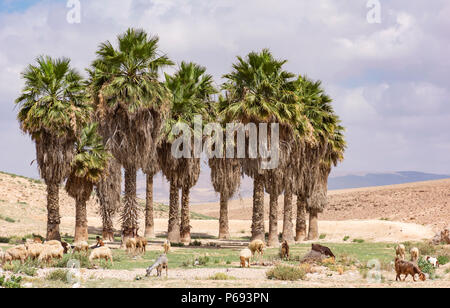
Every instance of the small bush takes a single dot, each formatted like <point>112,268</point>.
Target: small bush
<point>345,239</point>
<point>11,283</point>
<point>443,260</point>
<point>29,268</point>
<point>426,267</point>
<point>203,260</point>
<point>322,236</point>
<point>58,275</point>
<point>221,276</point>
<point>285,272</point>
<point>7,219</point>
<point>196,243</point>
<point>4,240</point>
<point>357,240</point>
<point>176,244</point>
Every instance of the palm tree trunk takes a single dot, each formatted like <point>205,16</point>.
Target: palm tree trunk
<point>130,210</point>
<point>258,208</point>
<point>301,219</point>
<point>313,232</point>
<point>173,232</point>
<point>53,218</point>
<point>108,229</point>
<point>81,226</point>
<point>185,230</point>
<point>224,232</point>
<point>149,221</point>
<point>273,221</point>
<point>288,232</point>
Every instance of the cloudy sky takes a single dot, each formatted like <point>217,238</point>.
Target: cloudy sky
<point>389,81</point>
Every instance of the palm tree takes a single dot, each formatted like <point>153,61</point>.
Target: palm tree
<point>108,193</point>
<point>226,179</point>
<point>150,171</point>
<point>131,105</point>
<point>88,165</point>
<point>52,111</point>
<point>311,171</point>
<point>258,90</point>
<point>192,91</point>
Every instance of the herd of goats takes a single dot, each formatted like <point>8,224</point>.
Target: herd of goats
<point>45,252</point>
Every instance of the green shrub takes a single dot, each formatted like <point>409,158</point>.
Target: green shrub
<point>345,239</point>
<point>204,260</point>
<point>11,283</point>
<point>29,268</point>
<point>285,272</point>
<point>4,240</point>
<point>196,243</point>
<point>322,236</point>
<point>7,219</point>
<point>357,240</point>
<point>426,267</point>
<point>221,276</point>
<point>58,275</point>
<point>15,240</point>
<point>176,244</point>
<point>443,260</point>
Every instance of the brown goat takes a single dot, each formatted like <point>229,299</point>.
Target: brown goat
<point>407,268</point>
<point>323,250</point>
<point>285,250</point>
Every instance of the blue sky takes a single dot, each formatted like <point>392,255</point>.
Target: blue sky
<point>389,81</point>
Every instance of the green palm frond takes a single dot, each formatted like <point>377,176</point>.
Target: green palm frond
<point>53,98</point>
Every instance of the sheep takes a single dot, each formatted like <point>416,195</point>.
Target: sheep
<point>17,253</point>
<point>51,252</point>
<point>34,250</point>
<point>414,254</point>
<point>81,246</point>
<point>141,244</point>
<point>4,257</point>
<point>160,264</point>
<point>407,268</point>
<point>245,256</point>
<point>166,246</point>
<point>130,245</point>
<point>400,251</point>
<point>101,253</point>
<point>433,261</point>
<point>257,246</point>
<point>284,250</point>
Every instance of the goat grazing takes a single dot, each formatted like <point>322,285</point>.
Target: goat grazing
<point>130,245</point>
<point>101,253</point>
<point>323,250</point>
<point>81,246</point>
<point>400,251</point>
<point>414,254</point>
<point>16,253</point>
<point>166,246</point>
<point>433,261</point>
<point>50,252</point>
<point>245,256</point>
<point>160,264</point>
<point>257,246</point>
<point>284,250</point>
<point>407,268</point>
<point>34,250</point>
<point>141,244</point>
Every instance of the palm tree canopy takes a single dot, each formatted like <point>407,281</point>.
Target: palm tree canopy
<point>53,99</point>
<point>192,90</point>
<point>129,74</point>
<point>259,90</point>
<point>91,158</point>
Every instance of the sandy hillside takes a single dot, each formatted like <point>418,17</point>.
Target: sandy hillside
<point>355,213</point>
<point>423,203</point>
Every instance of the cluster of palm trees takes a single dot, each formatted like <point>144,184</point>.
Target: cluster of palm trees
<point>122,116</point>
